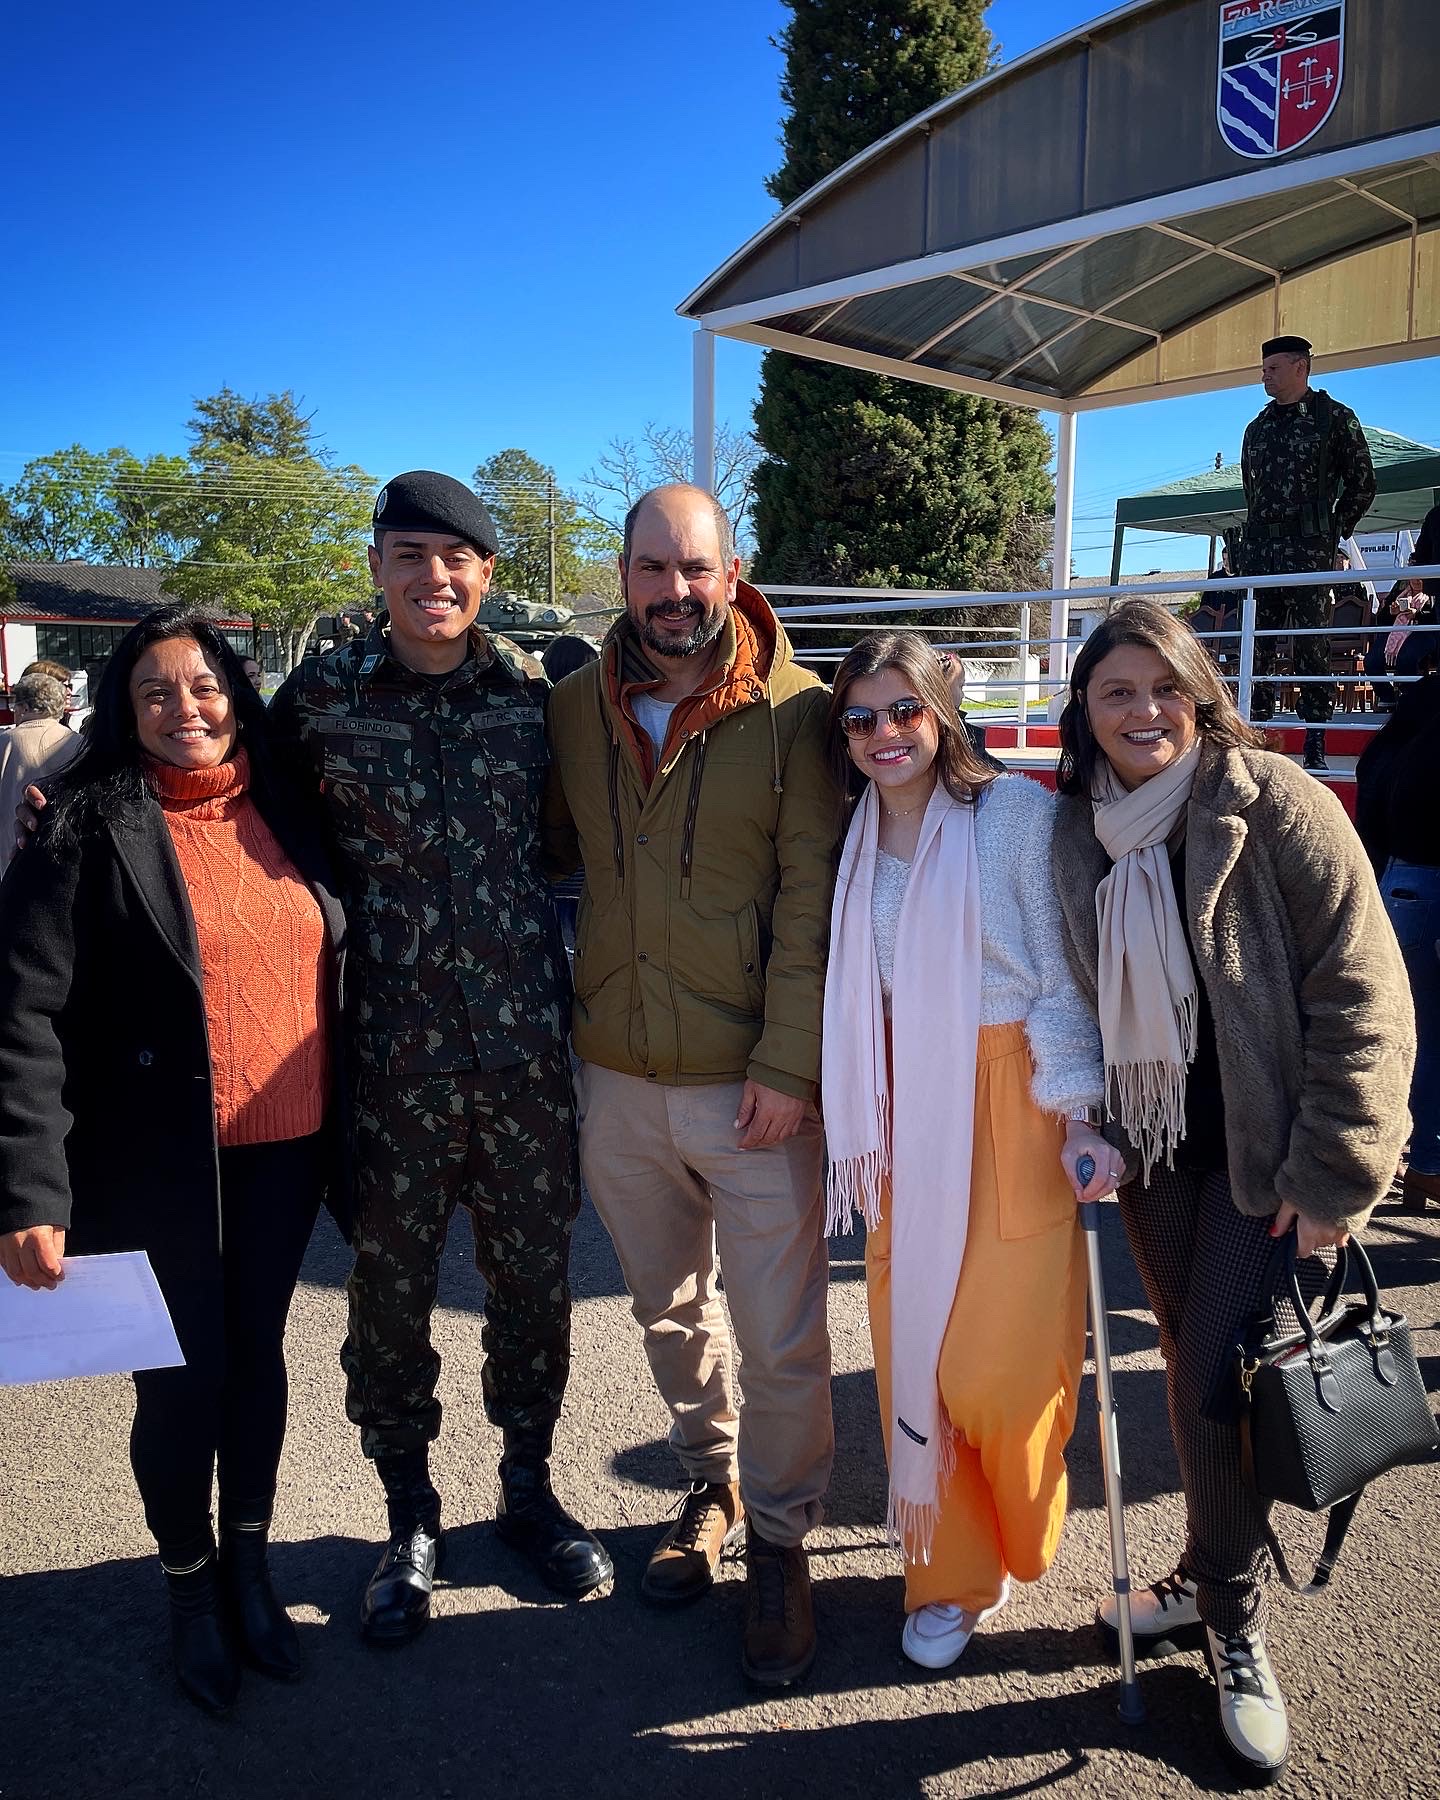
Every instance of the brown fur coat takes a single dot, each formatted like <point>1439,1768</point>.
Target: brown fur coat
<point>1313,1017</point>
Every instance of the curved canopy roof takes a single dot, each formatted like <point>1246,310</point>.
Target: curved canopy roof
<point>1407,482</point>
<point>1078,230</point>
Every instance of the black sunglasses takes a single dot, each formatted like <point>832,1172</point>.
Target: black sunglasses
<point>904,715</point>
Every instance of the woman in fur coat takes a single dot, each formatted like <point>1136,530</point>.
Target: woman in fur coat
<point>1225,926</point>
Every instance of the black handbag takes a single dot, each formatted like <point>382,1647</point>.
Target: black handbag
<point>1329,1407</point>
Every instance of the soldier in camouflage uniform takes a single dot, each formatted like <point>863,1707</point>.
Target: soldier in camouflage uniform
<point>427,740</point>
<point>1308,481</point>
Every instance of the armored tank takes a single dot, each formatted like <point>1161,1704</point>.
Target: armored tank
<point>529,624</point>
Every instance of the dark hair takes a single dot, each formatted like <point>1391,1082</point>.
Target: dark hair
<point>565,654</point>
<point>961,767</point>
<point>1151,627</point>
<point>106,780</point>
<point>724,530</point>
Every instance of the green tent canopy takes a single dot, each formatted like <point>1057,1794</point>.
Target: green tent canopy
<point>1407,478</point>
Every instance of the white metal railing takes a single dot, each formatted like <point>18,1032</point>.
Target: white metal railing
<point>841,609</point>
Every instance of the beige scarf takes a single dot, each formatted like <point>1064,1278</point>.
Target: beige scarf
<point>1147,988</point>
<point>925,1142</point>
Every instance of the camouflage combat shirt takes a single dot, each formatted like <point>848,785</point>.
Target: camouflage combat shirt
<point>431,792</point>
<point>1280,467</point>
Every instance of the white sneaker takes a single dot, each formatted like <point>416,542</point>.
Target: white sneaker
<point>935,1636</point>
<point>1252,1708</point>
<point>1166,1609</point>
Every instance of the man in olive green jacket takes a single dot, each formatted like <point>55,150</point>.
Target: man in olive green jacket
<point>689,778</point>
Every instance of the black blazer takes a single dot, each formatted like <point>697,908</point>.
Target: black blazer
<point>107,1110</point>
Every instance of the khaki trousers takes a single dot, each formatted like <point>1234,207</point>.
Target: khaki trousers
<point>671,1186</point>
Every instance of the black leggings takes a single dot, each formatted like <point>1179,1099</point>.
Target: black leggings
<point>228,1402</point>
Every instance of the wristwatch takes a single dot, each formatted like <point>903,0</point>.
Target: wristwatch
<point>1084,1115</point>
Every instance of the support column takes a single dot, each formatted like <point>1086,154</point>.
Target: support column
<point>704,410</point>
<point>1060,567</point>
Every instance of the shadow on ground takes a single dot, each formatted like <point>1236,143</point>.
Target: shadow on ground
<point>597,1699</point>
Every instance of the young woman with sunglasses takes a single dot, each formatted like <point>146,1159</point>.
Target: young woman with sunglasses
<point>959,1067</point>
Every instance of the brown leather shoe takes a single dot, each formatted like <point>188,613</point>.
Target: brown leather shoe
<point>1417,1189</point>
<point>779,1619</point>
<point>683,1564</point>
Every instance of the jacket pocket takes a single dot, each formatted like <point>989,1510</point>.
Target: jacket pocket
<point>717,960</point>
<point>752,955</point>
<point>384,969</point>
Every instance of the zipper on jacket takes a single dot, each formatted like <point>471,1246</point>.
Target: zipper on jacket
<point>692,807</point>
<point>617,839</point>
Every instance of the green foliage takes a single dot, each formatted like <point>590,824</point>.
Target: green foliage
<point>868,481</point>
<point>100,507</point>
<point>273,427</point>
<point>257,521</point>
<point>517,490</point>
<point>855,70</point>
<point>280,531</point>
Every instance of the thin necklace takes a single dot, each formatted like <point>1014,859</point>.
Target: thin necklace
<point>890,811</point>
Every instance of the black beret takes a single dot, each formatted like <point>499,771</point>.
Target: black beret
<point>423,500</point>
<point>1297,346</point>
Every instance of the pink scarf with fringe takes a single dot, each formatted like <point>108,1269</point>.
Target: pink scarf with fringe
<point>924,1142</point>
<point>1147,989</point>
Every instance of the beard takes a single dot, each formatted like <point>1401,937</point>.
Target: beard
<point>707,627</point>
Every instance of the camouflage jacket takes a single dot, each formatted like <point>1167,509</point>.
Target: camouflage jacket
<point>1280,464</point>
<point>431,792</point>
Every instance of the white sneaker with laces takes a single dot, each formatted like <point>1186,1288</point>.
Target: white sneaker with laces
<point>935,1636</point>
<point>1252,1708</point>
<point>1165,1609</point>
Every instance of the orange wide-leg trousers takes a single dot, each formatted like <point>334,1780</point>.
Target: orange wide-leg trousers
<point>1012,1353</point>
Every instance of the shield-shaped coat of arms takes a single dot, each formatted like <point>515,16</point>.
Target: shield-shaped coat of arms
<point>1280,69</point>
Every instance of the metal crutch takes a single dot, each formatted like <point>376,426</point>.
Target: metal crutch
<point>1132,1707</point>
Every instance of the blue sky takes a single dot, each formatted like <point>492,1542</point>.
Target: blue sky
<point>452,227</point>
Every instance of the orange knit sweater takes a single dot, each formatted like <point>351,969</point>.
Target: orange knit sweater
<point>262,955</point>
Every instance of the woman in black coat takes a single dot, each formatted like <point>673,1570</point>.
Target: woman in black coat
<point>170,961</point>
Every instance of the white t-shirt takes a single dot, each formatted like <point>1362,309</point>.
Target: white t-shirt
<point>653,717</point>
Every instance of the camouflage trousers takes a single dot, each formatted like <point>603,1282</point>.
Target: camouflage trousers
<point>500,1143</point>
<point>1280,609</point>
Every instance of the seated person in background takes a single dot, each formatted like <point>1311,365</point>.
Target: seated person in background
<point>38,744</point>
<point>1219,610</point>
<point>1398,650</point>
<point>954,668</point>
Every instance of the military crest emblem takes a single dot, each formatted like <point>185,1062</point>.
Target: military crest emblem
<point>1279,75</point>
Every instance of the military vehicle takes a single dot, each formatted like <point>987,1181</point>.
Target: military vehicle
<point>527,623</point>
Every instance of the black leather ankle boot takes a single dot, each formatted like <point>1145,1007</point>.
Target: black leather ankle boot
<point>531,1520</point>
<point>206,1663</point>
<point>262,1627</point>
<point>397,1599</point>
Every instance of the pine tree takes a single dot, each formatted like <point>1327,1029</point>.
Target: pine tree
<point>867,480</point>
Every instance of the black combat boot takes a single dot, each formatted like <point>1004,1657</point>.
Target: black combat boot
<point>206,1662</point>
<point>531,1520</point>
<point>1314,756</point>
<point>397,1600</point>
<point>260,1624</point>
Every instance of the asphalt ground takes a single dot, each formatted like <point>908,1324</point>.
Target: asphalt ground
<point>510,1693</point>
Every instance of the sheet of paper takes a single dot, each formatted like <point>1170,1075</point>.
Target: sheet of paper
<point>107,1317</point>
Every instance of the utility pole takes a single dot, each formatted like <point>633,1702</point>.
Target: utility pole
<point>550,497</point>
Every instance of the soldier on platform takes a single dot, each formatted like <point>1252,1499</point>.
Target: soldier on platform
<point>1308,481</point>
<point>428,742</point>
